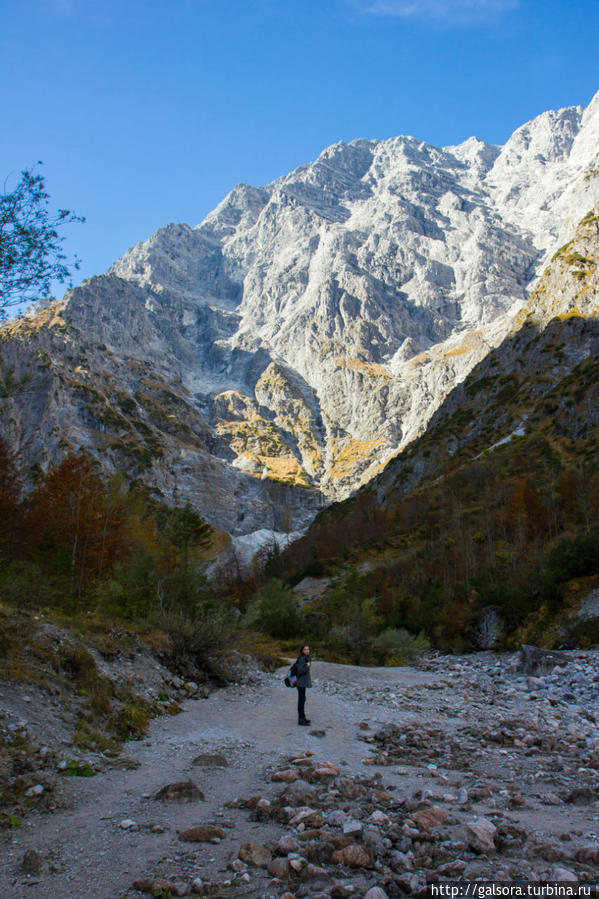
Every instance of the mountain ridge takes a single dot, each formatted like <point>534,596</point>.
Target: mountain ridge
<point>307,330</point>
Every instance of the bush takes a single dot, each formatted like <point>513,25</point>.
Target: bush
<point>574,557</point>
<point>274,611</point>
<point>24,584</point>
<point>198,643</point>
<point>398,647</point>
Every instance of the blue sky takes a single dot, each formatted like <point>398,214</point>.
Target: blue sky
<point>150,111</point>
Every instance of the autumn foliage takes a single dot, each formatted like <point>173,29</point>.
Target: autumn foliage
<point>82,536</point>
<point>505,534</point>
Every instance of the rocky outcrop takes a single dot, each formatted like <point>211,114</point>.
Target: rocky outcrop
<point>543,374</point>
<point>282,351</point>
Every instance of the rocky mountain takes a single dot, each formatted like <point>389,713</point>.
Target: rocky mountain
<point>277,355</point>
<point>540,380</point>
<point>484,530</point>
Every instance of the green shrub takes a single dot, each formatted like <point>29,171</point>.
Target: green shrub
<point>25,585</point>
<point>275,611</point>
<point>398,647</point>
<point>198,643</point>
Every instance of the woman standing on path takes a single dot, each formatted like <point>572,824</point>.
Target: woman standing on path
<point>302,667</point>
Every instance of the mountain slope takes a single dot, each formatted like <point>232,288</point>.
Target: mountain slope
<point>492,516</point>
<point>283,350</point>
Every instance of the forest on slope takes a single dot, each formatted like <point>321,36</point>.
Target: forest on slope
<point>485,531</point>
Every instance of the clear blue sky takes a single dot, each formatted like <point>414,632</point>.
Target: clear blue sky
<point>150,111</point>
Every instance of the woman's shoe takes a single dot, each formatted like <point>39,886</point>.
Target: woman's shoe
<point>304,721</point>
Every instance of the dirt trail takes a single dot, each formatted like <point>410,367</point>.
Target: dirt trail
<point>463,722</point>
<point>253,726</point>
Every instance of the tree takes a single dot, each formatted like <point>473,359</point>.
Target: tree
<point>30,246</point>
<point>187,530</point>
<point>9,497</point>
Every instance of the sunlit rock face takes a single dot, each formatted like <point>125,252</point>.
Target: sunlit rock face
<point>278,354</point>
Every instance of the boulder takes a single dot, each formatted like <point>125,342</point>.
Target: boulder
<point>255,855</point>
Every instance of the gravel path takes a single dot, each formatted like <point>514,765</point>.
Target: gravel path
<point>113,831</point>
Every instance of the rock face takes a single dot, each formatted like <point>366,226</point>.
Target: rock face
<point>279,353</point>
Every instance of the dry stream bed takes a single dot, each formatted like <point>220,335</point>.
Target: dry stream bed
<point>461,768</point>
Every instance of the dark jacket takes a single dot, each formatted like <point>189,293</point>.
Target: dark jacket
<point>303,672</point>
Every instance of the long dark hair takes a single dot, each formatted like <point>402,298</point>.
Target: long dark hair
<point>301,652</point>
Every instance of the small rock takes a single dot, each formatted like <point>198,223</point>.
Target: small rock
<point>288,776</point>
<point>308,817</point>
<point>379,819</point>
<point>429,816</point>
<point>326,770</point>
<point>299,792</point>
<point>352,828</point>
<point>399,861</point>
<point>211,760</point>
<point>202,833</point>
<point>255,855</point>
<point>287,844</point>
<point>37,790</point>
<point>33,862</point>
<point>297,862</point>
<point>409,883</point>
<point>562,874</point>
<point>279,867</point>
<point>314,872</point>
<point>354,856</point>
<point>376,893</point>
<point>588,854</point>
<point>480,834</point>
<point>128,824</point>
<point>454,868</point>
<point>318,732</point>
<point>158,887</point>
<point>181,791</point>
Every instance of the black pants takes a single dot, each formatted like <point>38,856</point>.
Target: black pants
<point>301,702</point>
